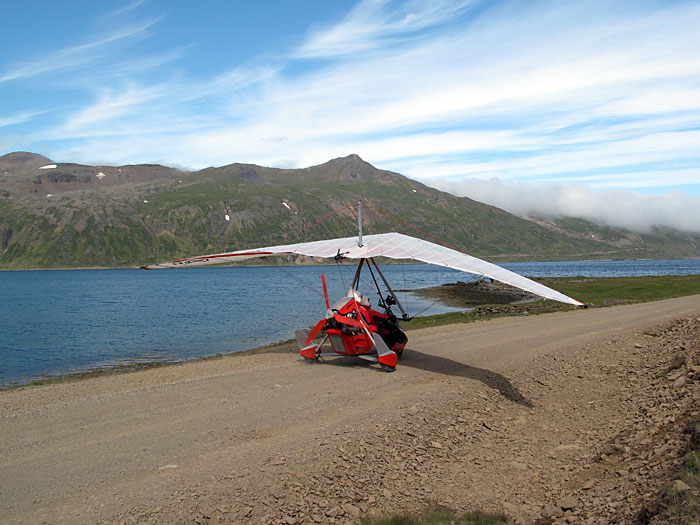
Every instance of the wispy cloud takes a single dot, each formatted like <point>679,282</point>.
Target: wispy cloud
<point>18,118</point>
<point>123,10</point>
<point>604,95</point>
<point>377,23</point>
<point>109,108</point>
<point>76,57</point>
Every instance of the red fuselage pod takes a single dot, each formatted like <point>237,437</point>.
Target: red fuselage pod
<point>347,336</point>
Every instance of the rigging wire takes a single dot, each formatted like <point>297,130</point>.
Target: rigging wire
<point>322,219</point>
<point>338,265</point>
<point>404,289</point>
<point>376,284</point>
<point>407,224</point>
<point>405,292</point>
<point>297,234</point>
<point>363,280</point>
<point>290,274</point>
<point>437,300</point>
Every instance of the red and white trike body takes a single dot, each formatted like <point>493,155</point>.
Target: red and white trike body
<point>353,328</point>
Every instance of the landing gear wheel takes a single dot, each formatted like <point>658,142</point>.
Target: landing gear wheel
<point>309,360</point>
<point>387,368</point>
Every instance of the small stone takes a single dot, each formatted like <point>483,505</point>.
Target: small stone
<point>677,361</point>
<point>568,503</point>
<point>334,512</point>
<point>679,486</point>
<point>551,511</point>
<point>352,510</point>
<point>680,383</point>
<point>588,485</point>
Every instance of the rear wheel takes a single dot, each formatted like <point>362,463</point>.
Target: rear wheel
<point>309,360</point>
<point>387,368</point>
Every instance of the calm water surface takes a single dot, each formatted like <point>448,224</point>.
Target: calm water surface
<point>55,322</point>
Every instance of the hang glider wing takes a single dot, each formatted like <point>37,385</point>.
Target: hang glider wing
<point>392,245</point>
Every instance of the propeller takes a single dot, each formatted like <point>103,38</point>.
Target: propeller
<point>314,332</point>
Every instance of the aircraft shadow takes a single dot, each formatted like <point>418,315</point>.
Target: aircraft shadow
<point>444,366</point>
<point>449,367</point>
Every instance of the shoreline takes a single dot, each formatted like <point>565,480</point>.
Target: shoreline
<point>281,347</point>
<point>495,259</point>
<point>479,300</point>
<point>577,414</point>
<point>479,293</point>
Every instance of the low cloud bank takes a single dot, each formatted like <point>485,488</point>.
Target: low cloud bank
<point>622,208</point>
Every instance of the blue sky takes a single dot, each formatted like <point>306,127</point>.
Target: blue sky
<point>579,108</point>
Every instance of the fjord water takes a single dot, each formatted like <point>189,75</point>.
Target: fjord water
<point>63,321</point>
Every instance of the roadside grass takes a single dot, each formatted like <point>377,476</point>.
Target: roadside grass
<point>438,517</point>
<point>680,501</point>
<point>607,291</point>
<point>594,292</point>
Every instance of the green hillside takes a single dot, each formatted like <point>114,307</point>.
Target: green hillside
<point>133,215</point>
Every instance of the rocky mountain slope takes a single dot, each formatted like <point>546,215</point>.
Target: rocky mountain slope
<point>71,215</point>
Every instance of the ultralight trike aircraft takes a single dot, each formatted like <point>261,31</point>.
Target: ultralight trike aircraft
<point>351,327</point>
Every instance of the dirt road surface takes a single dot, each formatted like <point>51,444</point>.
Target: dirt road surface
<point>554,415</point>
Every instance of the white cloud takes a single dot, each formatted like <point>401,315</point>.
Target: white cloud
<point>75,57</point>
<point>111,107</point>
<point>123,10</point>
<point>546,160</point>
<point>373,23</point>
<point>17,118</point>
<point>623,208</point>
<point>605,94</point>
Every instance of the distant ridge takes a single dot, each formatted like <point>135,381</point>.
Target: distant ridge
<point>75,215</point>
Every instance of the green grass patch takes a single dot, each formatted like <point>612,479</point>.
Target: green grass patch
<point>438,516</point>
<point>615,290</point>
<point>484,312</point>
<point>682,504</point>
<point>594,292</point>
<point>692,463</point>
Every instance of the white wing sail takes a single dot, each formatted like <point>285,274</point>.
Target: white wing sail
<point>392,245</point>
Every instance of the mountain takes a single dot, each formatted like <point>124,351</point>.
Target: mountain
<point>70,215</point>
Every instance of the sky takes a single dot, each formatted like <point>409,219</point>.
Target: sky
<point>587,109</point>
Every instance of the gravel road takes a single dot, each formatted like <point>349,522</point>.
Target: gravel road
<point>511,415</point>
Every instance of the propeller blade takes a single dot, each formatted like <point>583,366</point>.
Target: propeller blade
<point>325,291</point>
<point>314,332</point>
<point>349,321</point>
